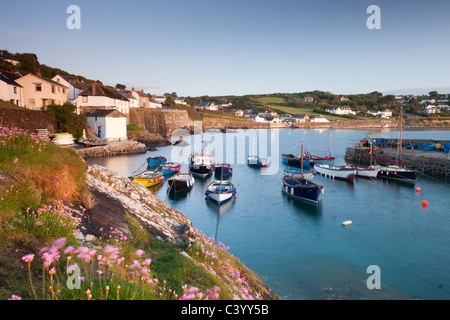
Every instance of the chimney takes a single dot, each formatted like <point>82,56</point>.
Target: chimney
<point>142,90</point>
<point>132,89</point>
<point>94,85</point>
<point>38,72</point>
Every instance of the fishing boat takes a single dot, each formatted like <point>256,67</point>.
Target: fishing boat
<point>200,164</point>
<point>294,161</point>
<point>220,191</point>
<point>297,173</point>
<point>149,178</point>
<point>315,159</point>
<point>335,172</point>
<point>93,143</point>
<point>170,168</point>
<point>180,182</point>
<point>397,171</point>
<point>223,170</point>
<point>301,188</point>
<point>156,161</point>
<point>256,161</point>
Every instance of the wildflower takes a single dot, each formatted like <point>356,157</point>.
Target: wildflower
<point>69,249</point>
<point>60,242</point>
<point>135,265</point>
<point>28,258</point>
<point>15,297</point>
<point>38,223</point>
<point>147,262</point>
<point>16,160</point>
<point>139,252</point>
<point>52,271</point>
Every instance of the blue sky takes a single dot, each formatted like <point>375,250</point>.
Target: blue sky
<point>238,47</point>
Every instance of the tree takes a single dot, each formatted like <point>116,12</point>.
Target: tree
<point>121,86</point>
<point>66,118</point>
<point>434,95</point>
<point>169,101</point>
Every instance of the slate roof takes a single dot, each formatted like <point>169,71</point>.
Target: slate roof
<point>9,81</point>
<point>101,90</point>
<point>103,113</point>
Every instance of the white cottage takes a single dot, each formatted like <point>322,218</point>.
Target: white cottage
<point>108,124</point>
<point>10,91</point>
<point>75,86</point>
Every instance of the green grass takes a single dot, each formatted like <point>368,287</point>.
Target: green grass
<point>270,100</point>
<point>134,127</point>
<point>7,105</point>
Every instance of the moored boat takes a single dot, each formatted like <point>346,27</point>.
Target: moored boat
<point>396,173</point>
<point>297,173</point>
<point>302,189</point>
<point>223,170</point>
<point>321,160</point>
<point>200,164</point>
<point>180,182</point>
<point>220,191</point>
<point>335,172</point>
<point>295,161</point>
<point>156,161</point>
<point>149,178</point>
<point>256,161</point>
<point>170,168</point>
<point>364,172</point>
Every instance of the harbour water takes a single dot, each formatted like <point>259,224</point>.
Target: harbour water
<point>302,251</point>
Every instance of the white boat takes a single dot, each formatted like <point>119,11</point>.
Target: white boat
<point>335,172</point>
<point>220,191</point>
<point>364,172</point>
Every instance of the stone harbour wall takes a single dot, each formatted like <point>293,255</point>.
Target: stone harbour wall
<point>113,149</point>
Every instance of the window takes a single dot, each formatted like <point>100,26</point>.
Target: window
<point>84,99</point>
<point>64,90</point>
<point>53,89</point>
<point>15,90</point>
<point>31,102</point>
<point>38,86</point>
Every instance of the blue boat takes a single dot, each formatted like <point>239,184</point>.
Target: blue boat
<point>302,189</point>
<point>156,161</point>
<point>223,170</point>
<point>170,168</point>
<point>297,173</point>
<point>294,161</point>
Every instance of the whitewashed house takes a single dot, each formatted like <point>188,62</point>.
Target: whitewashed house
<point>97,96</point>
<point>211,106</point>
<point>432,109</point>
<point>239,113</point>
<point>142,97</point>
<point>341,111</point>
<point>257,118</point>
<point>108,124</point>
<point>10,91</point>
<point>153,104</point>
<point>317,118</point>
<point>75,86</point>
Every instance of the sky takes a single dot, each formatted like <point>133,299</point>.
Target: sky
<point>196,47</point>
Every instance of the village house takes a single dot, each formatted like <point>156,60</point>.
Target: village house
<point>225,105</point>
<point>268,114</point>
<point>75,86</point>
<point>208,106</point>
<point>341,111</point>
<point>308,99</point>
<point>178,101</point>
<point>39,92</point>
<point>160,99</point>
<point>270,119</point>
<point>300,118</point>
<point>432,109</point>
<point>142,97</point>
<point>383,114</point>
<point>318,118</point>
<point>11,60</point>
<point>133,102</point>
<point>239,113</point>
<point>97,96</point>
<point>257,118</point>
<point>343,99</point>
<point>108,124</point>
<point>153,104</point>
<point>248,112</point>
<point>10,91</point>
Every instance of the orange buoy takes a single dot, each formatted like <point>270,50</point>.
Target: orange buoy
<point>424,203</point>
<point>418,190</point>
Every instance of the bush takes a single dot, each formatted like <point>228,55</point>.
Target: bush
<point>133,127</point>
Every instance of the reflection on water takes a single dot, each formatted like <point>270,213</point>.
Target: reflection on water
<point>219,211</point>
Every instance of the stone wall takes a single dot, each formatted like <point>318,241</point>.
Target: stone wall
<point>26,119</point>
<point>113,149</point>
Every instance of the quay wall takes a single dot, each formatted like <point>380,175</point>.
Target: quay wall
<point>113,149</point>
<point>432,163</point>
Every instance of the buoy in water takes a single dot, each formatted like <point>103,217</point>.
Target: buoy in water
<point>424,203</point>
<point>418,190</point>
<point>347,223</point>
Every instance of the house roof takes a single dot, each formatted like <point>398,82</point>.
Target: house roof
<point>127,95</point>
<point>204,104</point>
<point>103,113</point>
<point>96,89</point>
<point>9,81</point>
<point>45,79</point>
<point>11,75</point>
<point>74,81</point>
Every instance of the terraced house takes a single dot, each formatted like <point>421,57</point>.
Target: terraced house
<point>40,92</point>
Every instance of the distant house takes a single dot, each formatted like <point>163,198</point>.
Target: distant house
<point>11,91</point>
<point>308,99</point>
<point>270,119</point>
<point>383,114</point>
<point>341,111</point>
<point>97,96</point>
<point>153,104</point>
<point>300,118</point>
<point>317,118</point>
<point>39,92</point>
<point>268,114</point>
<point>160,99</point>
<point>133,102</point>
<point>108,124</point>
<point>208,106</point>
<point>239,113</point>
<point>257,118</point>
<point>142,97</point>
<point>343,99</point>
<point>432,109</point>
<point>225,105</point>
<point>11,60</point>
<point>75,86</point>
<point>248,112</point>
<point>178,101</point>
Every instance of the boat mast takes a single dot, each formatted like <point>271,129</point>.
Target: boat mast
<point>330,143</point>
<point>401,142</point>
<point>301,161</point>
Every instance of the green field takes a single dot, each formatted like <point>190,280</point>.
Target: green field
<point>7,105</point>
<point>270,100</point>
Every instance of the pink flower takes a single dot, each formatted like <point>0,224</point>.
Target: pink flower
<point>69,249</point>
<point>28,258</point>
<point>15,297</point>
<point>147,262</point>
<point>38,223</point>
<point>16,160</point>
<point>139,252</point>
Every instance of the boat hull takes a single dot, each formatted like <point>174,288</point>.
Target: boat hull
<point>156,161</point>
<point>295,162</point>
<point>181,183</point>
<point>149,179</point>
<point>223,171</point>
<point>302,189</point>
<point>335,172</point>
<point>170,168</point>
<point>257,162</point>
<point>397,173</point>
<point>200,170</point>
<point>322,160</point>
<point>220,192</point>
<point>296,173</point>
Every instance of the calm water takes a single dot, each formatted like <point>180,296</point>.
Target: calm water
<point>300,249</point>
